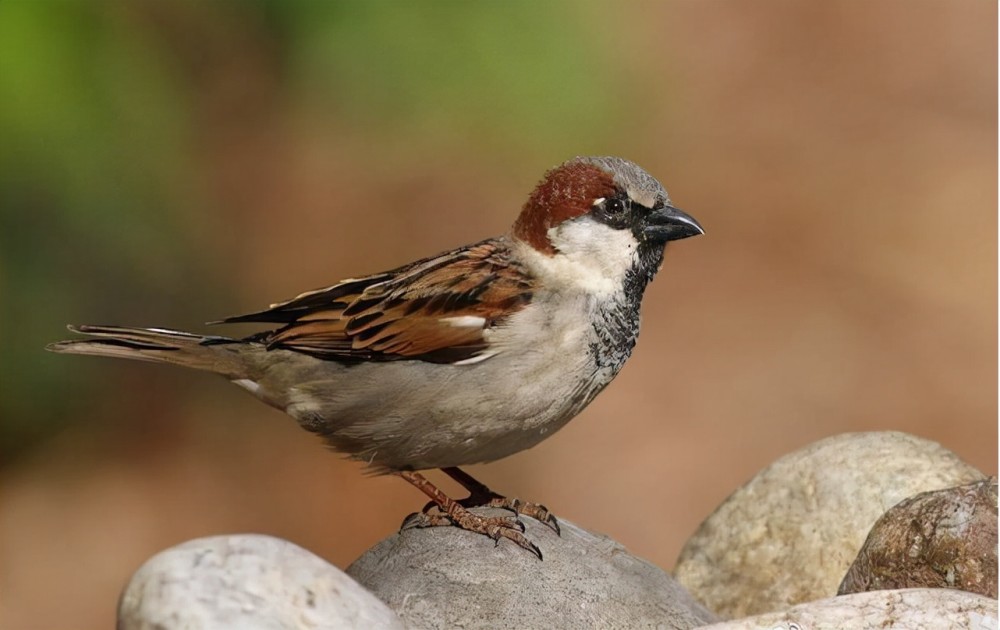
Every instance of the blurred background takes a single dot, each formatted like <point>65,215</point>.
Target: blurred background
<point>170,163</point>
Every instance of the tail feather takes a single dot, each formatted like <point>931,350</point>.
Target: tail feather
<point>214,354</point>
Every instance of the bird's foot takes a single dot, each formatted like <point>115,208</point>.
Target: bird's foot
<point>495,527</point>
<point>482,496</point>
<point>451,512</point>
<point>536,511</point>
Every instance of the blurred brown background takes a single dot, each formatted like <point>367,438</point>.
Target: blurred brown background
<point>169,163</point>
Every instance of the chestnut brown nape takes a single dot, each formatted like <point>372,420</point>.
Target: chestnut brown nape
<point>565,192</point>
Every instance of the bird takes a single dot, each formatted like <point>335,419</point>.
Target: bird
<point>461,358</point>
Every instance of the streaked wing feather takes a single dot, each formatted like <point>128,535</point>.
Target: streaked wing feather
<point>334,298</point>
<point>428,310</point>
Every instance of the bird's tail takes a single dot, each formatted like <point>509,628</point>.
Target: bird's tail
<point>221,355</point>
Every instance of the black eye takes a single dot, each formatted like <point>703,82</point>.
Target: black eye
<point>614,207</point>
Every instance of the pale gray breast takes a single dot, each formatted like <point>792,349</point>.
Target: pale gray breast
<point>412,414</point>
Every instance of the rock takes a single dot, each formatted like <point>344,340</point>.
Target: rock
<point>911,609</point>
<point>444,577</point>
<point>943,539</point>
<point>248,582</point>
<point>790,533</point>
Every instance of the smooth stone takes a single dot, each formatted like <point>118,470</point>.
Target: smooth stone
<point>790,533</point>
<point>909,609</point>
<point>444,577</point>
<point>939,539</point>
<point>246,581</point>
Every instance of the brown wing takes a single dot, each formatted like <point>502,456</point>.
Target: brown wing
<point>435,309</point>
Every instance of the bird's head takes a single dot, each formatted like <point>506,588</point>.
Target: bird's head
<point>601,220</point>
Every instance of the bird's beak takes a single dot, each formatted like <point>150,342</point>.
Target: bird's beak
<point>670,224</point>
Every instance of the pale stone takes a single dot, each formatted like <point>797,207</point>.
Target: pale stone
<point>909,609</point>
<point>248,581</point>
<point>790,534</point>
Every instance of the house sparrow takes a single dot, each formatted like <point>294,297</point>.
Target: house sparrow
<point>460,358</point>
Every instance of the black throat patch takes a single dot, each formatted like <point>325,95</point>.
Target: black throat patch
<point>617,326</point>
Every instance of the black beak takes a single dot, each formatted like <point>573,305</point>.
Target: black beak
<point>670,224</point>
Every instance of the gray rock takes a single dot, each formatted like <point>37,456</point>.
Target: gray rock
<point>790,534</point>
<point>910,609</point>
<point>444,577</point>
<point>248,582</point>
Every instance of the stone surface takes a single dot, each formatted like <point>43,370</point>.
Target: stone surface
<point>447,578</point>
<point>911,609</point>
<point>249,582</point>
<point>790,533</point>
<point>941,539</point>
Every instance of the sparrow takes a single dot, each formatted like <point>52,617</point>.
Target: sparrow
<point>460,358</point>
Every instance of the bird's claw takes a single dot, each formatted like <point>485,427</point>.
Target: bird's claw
<point>495,527</point>
<point>536,511</point>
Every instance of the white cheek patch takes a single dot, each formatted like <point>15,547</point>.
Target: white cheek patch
<point>591,255</point>
<point>465,321</point>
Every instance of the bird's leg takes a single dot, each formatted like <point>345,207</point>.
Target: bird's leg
<point>453,513</point>
<point>481,496</point>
